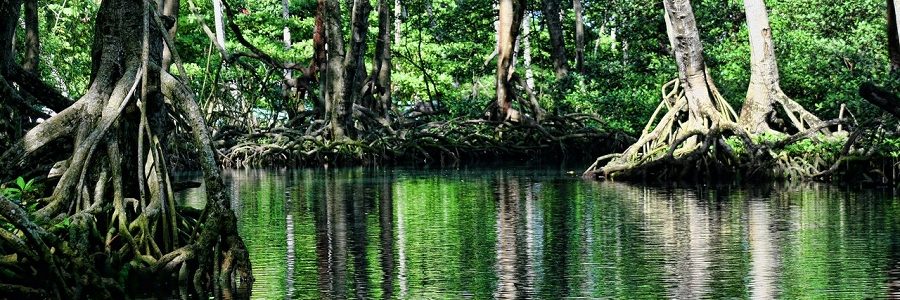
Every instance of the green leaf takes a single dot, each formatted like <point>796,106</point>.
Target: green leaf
<point>20,182</point>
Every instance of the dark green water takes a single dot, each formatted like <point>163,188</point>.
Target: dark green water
<point>543,234</point>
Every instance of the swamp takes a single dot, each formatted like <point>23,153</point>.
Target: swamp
<point>449,149</point>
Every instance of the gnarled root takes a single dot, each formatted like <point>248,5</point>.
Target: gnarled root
<point>99,231</point>
<point>695,139</point>
<point>682,134</point>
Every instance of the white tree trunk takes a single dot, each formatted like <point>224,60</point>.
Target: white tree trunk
<point>219,23</point>
<point>288,74</point>
<point>763,86</point>
<point>526,45</point>
<point>764,91</point>
<point>398,9</point>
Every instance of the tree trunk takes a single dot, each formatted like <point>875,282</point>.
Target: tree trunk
<point>526,50</point>
<point>764,91</point>
<point>511,13</point>
<point>685,39</point>
<point>763,69</point>
<point>398,10</point>
<point>382,62</point>
<point>10,11</point>
<point>579,35</point>
<point>286,92</point>
<point>219,23</point>
<point>333,73</point>
<point>121,213</point>
<point>169,9</point>
<point>536,110</point>
<point>894,34</point>
<point>557,43</point>
<point>432,21</point>
<point>32,38</point>
<point>354,67</point>
<point>320,61</point>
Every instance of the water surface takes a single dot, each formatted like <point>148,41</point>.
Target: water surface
<point>543,234</point>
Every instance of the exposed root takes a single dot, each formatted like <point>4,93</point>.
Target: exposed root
<point>693,136</point>
<point>98,231</point>
<point>415,139</point>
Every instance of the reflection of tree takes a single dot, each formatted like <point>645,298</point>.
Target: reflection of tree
<point>358,239</point>
<point>291,255</point>
<point>534,238</point>
<point>686,230</point>
<point>678,224</point>
<point>557,238</point>
<point>403,277</point>
<point>557,232</point>
<point>763,249</point>
<point>332,241</point>
<point>507,193</point>
<point>590,279</point>
<point>386,237</point>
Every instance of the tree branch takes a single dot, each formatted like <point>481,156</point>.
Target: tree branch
<point>880,97</point>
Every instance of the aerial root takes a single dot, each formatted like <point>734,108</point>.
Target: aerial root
<point>680,138</point>
<point>416,138</point>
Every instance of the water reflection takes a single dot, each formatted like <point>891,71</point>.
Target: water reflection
<point>533,234</point>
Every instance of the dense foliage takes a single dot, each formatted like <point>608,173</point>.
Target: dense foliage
<point>825,50</point>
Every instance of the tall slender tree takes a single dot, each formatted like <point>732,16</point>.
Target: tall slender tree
<point>510,22</point>
<point>764,91</point>
<point>579,35</point>
<point>219,23</point>
<point>32,38</point>
<point>552,17</point>
<point>381,71</point>
<point>893,15</point>
<point>333,73</point>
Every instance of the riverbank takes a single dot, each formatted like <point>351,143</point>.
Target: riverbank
<point>440,142</point>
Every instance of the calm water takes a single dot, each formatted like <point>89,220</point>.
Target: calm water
<point>543,234</point>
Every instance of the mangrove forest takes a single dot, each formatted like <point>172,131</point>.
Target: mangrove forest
<point>449,149</point>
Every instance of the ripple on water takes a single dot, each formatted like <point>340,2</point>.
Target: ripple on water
<point>541,234</point>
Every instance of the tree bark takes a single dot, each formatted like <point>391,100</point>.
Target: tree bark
<point>557,42</point>
<point>511,13</point>
<point>32,38</point>
<point>169,9</point>
<point>354,65</point>
<point>398,10</point>
<point>893,34</point>
<point>107,129</point>
<point>10,11</point>
<point>219,23</point>
<point>382,62</point>
<point>333,73</point>
<point>764,91</point>
<point>579,35</point>
<point>685,39</point>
